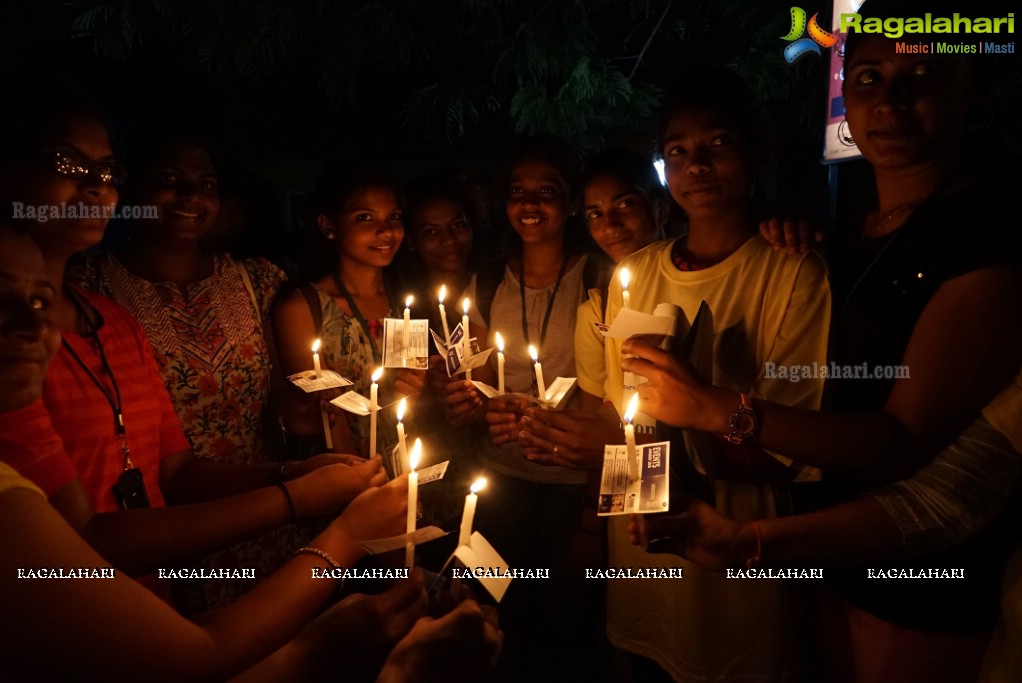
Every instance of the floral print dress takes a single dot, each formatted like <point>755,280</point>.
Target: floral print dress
<point>347,350</point>
<point>208,342</point>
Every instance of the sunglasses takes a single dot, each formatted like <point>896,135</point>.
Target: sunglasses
<point>70,165</point>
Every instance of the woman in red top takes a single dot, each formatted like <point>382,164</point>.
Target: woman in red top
<point>104,394</point>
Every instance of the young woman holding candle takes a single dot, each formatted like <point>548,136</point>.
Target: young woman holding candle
<point>440,242</point>
<point>105,436</point>
<point>440,245</point>
<point>931,281</point>
<point>358,213</point>
<point>763,305</point>
<point>625,209</point>
<point>533,305</point>
<point>529,512</point>
<point>204,315</point>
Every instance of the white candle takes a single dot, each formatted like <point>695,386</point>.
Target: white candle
<point>500,363</point>
<point>317,370</point>
<point>406,332</point>
<point>466,341</point>
<point>470,511</point>
<point>443,314</point>
<point>633,461</point>
<point>374,406</point>
<point>413,500</point>
<point>315,359</point>
<point>326,429</point>
<point>626,298</point>
<point>541,385</point>
<point>402,447</point>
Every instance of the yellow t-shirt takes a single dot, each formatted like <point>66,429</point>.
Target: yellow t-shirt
<point>766,306</point>
<point>590,346</point>
<point>10,479</point>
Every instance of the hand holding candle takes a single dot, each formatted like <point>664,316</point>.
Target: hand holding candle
<point>443,314</point>
<point>466,341</point>
<point>540,384</point>
<point>374,406</point>
<point>500,363</point>
<point>470,511</point>
<point>406,331</point>
<point>413,500</point>
<point>633,460</point>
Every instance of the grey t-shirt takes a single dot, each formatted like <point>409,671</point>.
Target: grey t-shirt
<point>556,355</point>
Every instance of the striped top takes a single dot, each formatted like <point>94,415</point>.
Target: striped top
<point>83,418</point>
<point>29,444</point>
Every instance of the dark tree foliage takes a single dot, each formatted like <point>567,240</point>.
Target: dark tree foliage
<point>581,69</point>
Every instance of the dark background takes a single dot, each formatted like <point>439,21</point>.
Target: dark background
<point>284,85</point>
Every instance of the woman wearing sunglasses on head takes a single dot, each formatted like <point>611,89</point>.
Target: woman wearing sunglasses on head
<point>121,450</point>
<point>114,629</point>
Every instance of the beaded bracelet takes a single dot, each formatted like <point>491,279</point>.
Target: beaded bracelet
<point>290,502</point>
<point>754,560</point>
<point>309,550</point>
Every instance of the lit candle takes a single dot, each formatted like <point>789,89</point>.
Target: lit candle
<point>374,406</point>
<point>470,511</point>
<point>500,364</point>
<point>443,314</point>
<point>402,447</point>
<point>315,359</point>
<point>413,500</point>
<point>406,332</point>
<point>633,463</point>
<point>466,342</point>
<point>316,369</point>
<point>540,384</point>
<point>626,298</point>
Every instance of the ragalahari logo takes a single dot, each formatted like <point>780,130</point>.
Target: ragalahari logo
<point>817,36</point>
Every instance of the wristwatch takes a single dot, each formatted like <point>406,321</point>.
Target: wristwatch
<point>743,423</point>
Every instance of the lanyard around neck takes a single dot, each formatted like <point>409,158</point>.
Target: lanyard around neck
<point>549,305</point>
<point>113,397</point>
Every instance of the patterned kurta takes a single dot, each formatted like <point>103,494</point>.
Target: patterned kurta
<point>209,345</point>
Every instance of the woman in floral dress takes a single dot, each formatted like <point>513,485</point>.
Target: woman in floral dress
<point>359,213</point>
<point>204,314</point>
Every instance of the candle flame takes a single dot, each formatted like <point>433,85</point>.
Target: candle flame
<point>533,354</point>
<point>500,342</point>
<point>465,303</point>
<point>633,406</point>
<point>443,293</point>
<point>315,346</point>
<point>478,485</point>
<point>415,455</point>
<point>377,374</point>
<point>408,301</point>
<point>401,410</point>
<point>625,277</point>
